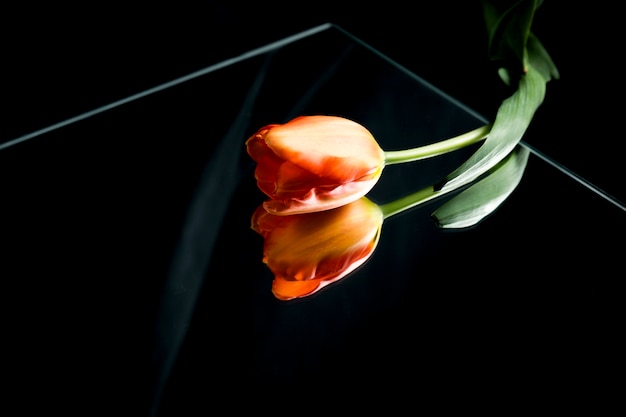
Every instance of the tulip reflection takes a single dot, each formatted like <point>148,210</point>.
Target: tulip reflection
<point>306,252</point>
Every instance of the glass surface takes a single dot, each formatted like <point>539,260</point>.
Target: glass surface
<point>132,267</point>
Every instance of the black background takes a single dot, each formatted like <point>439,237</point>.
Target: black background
<point>61,59</point>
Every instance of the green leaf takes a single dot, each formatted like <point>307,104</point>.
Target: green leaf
<point>512,119</point>
<point>508,25</point>
<point>509,30</point>
<point>479,200</point>
<point>523,60</point>
<point>539,58</point>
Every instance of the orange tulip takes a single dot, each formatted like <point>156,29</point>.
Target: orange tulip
<point>307,252</point>
<point>314,163</point>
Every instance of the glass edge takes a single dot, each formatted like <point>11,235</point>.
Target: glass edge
<point>286,41</point>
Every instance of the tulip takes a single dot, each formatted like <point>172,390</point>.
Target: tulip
<point>310,251</point>
<point>316,163</point>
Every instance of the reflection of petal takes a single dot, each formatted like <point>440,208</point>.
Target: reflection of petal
<point>287,290</point>
<point>309,251</point>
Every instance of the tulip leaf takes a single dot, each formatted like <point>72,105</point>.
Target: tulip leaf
<point>539,58</point>
<point>508,25</point>
<point>510,39</point>
<point>512,119</point>
<point>475,203</point>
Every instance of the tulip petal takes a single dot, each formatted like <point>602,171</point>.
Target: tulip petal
<point>292,181</point>
<point>314,163</point>
<point>321,198</point>
<point>332,147</point>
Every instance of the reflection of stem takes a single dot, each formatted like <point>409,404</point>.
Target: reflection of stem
<point>434,149</point>
<point>406,202</point>
<point>412,200</point>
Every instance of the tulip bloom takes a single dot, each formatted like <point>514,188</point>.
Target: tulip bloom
<point>309,251</point>
<point>314,163</point>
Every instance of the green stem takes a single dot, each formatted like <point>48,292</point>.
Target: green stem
<point>434,149</point>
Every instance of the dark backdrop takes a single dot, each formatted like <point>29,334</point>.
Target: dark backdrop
<point>60,59</point>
